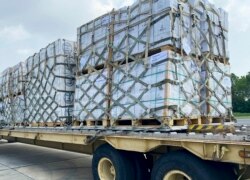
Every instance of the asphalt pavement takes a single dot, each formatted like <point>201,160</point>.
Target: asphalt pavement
<point>26,162</point>
<point>243,122</point>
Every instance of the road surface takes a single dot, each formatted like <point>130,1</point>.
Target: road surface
<point>26,162</point>
<point>243,121</point>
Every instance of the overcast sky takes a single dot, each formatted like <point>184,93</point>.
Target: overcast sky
<point>29,25</point>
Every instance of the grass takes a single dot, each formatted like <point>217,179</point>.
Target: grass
<point>242,115</point>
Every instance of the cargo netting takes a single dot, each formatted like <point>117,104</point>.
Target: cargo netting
<point>12,84</point>
<point>155,60</point>
<point>50,84</point>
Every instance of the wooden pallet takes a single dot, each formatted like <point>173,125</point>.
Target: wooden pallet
<point>183,121</point>
<point>19,124</point>
<point>89,70</point>
<point>135,123</point>
<point>47,124</point>
<point>92,123</point>
<point>215,120</point>
<point>165,122</point>
<point>175,122</point>
<point>164,48</point>
<point>151,52</point>
<point>136,56</point>
<point>76,123</point>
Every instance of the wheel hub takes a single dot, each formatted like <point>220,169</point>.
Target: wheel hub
<point>106,169</point>
<point>176,175</point>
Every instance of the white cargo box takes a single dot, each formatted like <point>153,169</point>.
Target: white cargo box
<point>90,96</point>
<point>217,94</point>
<point>51,83</point>
<point>136,95</point>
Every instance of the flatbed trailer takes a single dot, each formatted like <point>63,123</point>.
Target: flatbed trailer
<point>144,154</point>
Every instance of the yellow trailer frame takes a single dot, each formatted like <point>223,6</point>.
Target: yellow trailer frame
<point>223,148</point>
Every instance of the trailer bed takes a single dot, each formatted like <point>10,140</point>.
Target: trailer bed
<point>224,147</point>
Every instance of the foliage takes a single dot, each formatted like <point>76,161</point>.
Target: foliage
<point>242,115</point>
<point>241,93</point>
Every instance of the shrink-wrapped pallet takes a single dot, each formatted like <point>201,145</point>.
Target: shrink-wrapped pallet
<point>5,82</point>
<point>91,96</point>
<point>196,27</point>
<point>216,91</point>
<point>2,119</point>
<point>93,40</point>
<point>1,87</point>
<point>18,109</point>
<point>167,89</point>
<point>12,81</point>
<point>8,113</point>
<point>214,32</point>
<point>12,110</point>
<point>51,83</point>
<point>18,79</point>
<point>195,30</point>
<point>148,25</point>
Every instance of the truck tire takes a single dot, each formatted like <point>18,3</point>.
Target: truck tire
<point>182,165</point>
<point>141,166</point>
<point>111,164</point>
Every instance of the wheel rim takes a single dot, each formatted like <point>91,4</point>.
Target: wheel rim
<point>106,169</point>
<point>176,175</point>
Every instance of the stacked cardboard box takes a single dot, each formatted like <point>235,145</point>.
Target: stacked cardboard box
<point>18,79</point>
<point>162,90</point>
<point>91,96</point>
<point>217,93</point>
<point>156,59</point>
<point>12,94</point>
<point>51,83</point>
<point>93,40</point>
<point>5,80</point>
<point>160,60</point>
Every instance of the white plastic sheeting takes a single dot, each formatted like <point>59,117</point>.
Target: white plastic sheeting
<point>12,110</point>
<point>189,82</point>
<point>51,83</point>
<point>163,90</point>
<point>91,96</point>
<point>2,119</point>
<point>5,80</point>
<point>195,26</point>
<point>218,93</point>
<point>93,40</point>
<point>18,79</point>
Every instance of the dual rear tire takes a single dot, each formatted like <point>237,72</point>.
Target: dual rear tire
<point>111,164</point>
<point>182,165</point>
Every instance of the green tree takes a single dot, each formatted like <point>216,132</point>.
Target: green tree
<point>241,93</point>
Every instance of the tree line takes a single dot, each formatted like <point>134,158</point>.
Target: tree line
<point>241,93</point>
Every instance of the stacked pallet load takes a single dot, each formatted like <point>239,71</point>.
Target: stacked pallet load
<point>18,79</point>
<point>17,86</point>
<point>4,86</point>
<point>2,121</point>
<point>91,101</point>
<point>154,64</point>
<point>5,82</point>
<point>12,95</point>
<point>50,85</point>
